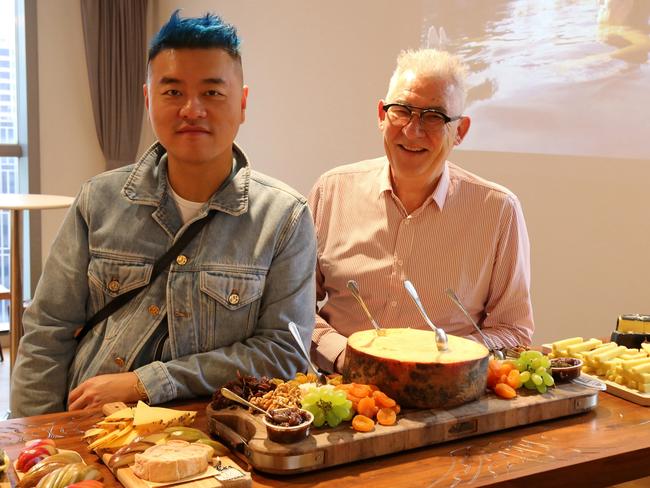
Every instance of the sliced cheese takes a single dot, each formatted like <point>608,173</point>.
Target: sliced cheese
<point>110,437</point>
<point>124,414</point>
<point>560,346</point>
<point>148,419</point>
<point>584,346</point>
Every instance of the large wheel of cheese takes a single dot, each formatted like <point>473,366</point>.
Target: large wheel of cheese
<point>407,366</point>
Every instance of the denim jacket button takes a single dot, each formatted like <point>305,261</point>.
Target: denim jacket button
<point>233,299</point>
<point>114,285</point>
<point>181,260</point>
<point>119,361</point>
<point>154,310</point>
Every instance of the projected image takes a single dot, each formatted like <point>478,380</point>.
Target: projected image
<point>556,77</point>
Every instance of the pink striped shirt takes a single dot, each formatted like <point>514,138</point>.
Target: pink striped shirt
<point>469,235</point>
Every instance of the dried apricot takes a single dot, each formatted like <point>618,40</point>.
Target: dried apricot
<point>494,365</point>
<point>361,423</point>
<point>513,379</point>
<point>367,407</point>
<point>506,367</point>
<point>383,400</point>
<point>505,391</point>
<point>386,416</point>
<point>360,391</point>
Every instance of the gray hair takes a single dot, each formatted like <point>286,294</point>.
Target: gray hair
<point>431,63</point>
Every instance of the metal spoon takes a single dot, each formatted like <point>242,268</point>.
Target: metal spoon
<point>293,328</point>
<point>490,345</point>
<point>354,288</point>
<point>231,395</point>
<point>441,336</point>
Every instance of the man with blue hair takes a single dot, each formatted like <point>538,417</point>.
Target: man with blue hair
<point>223,304</point>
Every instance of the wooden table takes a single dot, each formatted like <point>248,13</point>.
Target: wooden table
<point>16,202</point>
<point>608,445</point>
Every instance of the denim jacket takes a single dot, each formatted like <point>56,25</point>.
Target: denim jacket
<point>228,297</point>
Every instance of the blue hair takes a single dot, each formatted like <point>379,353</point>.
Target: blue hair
<point>209,31</point>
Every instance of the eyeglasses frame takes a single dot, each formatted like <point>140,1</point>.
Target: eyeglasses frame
<point>446,118</point>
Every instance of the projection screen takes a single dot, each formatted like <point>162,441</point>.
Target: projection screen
<point>565,77</point>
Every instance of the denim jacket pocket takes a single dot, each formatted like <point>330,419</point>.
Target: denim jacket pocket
<point>230,303</point>
<point>112,277</point>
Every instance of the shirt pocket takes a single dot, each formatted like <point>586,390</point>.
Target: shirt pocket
<point>111,277</point>
<point>230,302</point>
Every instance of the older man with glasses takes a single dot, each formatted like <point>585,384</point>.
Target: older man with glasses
<point>413,215</point>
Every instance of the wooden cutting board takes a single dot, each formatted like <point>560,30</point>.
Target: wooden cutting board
<point>225,473</point>
<point>246,434</point>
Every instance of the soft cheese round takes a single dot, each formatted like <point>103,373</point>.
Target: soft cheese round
<point>172,461</point>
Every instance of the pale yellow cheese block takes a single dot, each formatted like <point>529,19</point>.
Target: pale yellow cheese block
<point>416,346</point>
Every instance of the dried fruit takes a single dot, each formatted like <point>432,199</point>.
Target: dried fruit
<point>386,416</point>
<point>361,423</point>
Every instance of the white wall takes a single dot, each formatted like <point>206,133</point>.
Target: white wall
<point>69,149</point>
<point>315,76</point>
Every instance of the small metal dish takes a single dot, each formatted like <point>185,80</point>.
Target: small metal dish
<point>565,369</point>
<point>287,435</point>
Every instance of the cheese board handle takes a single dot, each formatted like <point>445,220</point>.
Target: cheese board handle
<point>112,407</point>
<point>232,439</point>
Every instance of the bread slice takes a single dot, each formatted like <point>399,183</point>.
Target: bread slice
<point>172,461</point>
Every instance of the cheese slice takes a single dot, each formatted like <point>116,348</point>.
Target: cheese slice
<point>148,419</point>
<point>110,437</point>
<point>121,415</point>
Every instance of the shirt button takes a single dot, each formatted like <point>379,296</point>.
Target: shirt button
<point>119,361</point>
<point>233,299</point>
<point>114,285</point>
<point>393,303</point>
<point>154,310</point>
<point>181,260</point>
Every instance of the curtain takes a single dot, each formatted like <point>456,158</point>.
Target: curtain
<point>115,38</point>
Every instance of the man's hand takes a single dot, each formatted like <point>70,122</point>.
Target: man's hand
<point>105,388</point>
<point>338,365</point>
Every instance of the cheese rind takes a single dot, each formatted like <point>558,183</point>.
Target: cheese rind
<point>172,461</point>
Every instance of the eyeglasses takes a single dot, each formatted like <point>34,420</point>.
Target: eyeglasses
<point>431,119</point>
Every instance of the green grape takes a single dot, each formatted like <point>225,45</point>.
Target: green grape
<point>530,385</point>
<point>537,379</point>
<point>520,365</point>
<point>535,354</point>
<point>351,413</point>
<point>548,379</point>
<point>319,417</point>
<point>541,370</point>
<point>535,363</point>
<point>312,397</point>
<point>341,411</point>
<point>332,419</point>
<point>546,362</point>
<point>541,388</point>
<point>524,376</point>
<point>339,399</point>
<point>328,405</point>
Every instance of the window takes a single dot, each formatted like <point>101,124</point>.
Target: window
<point>10,126</point>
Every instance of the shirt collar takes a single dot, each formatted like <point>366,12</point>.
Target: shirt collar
<point>147,183</point>
<point>439,194</point>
